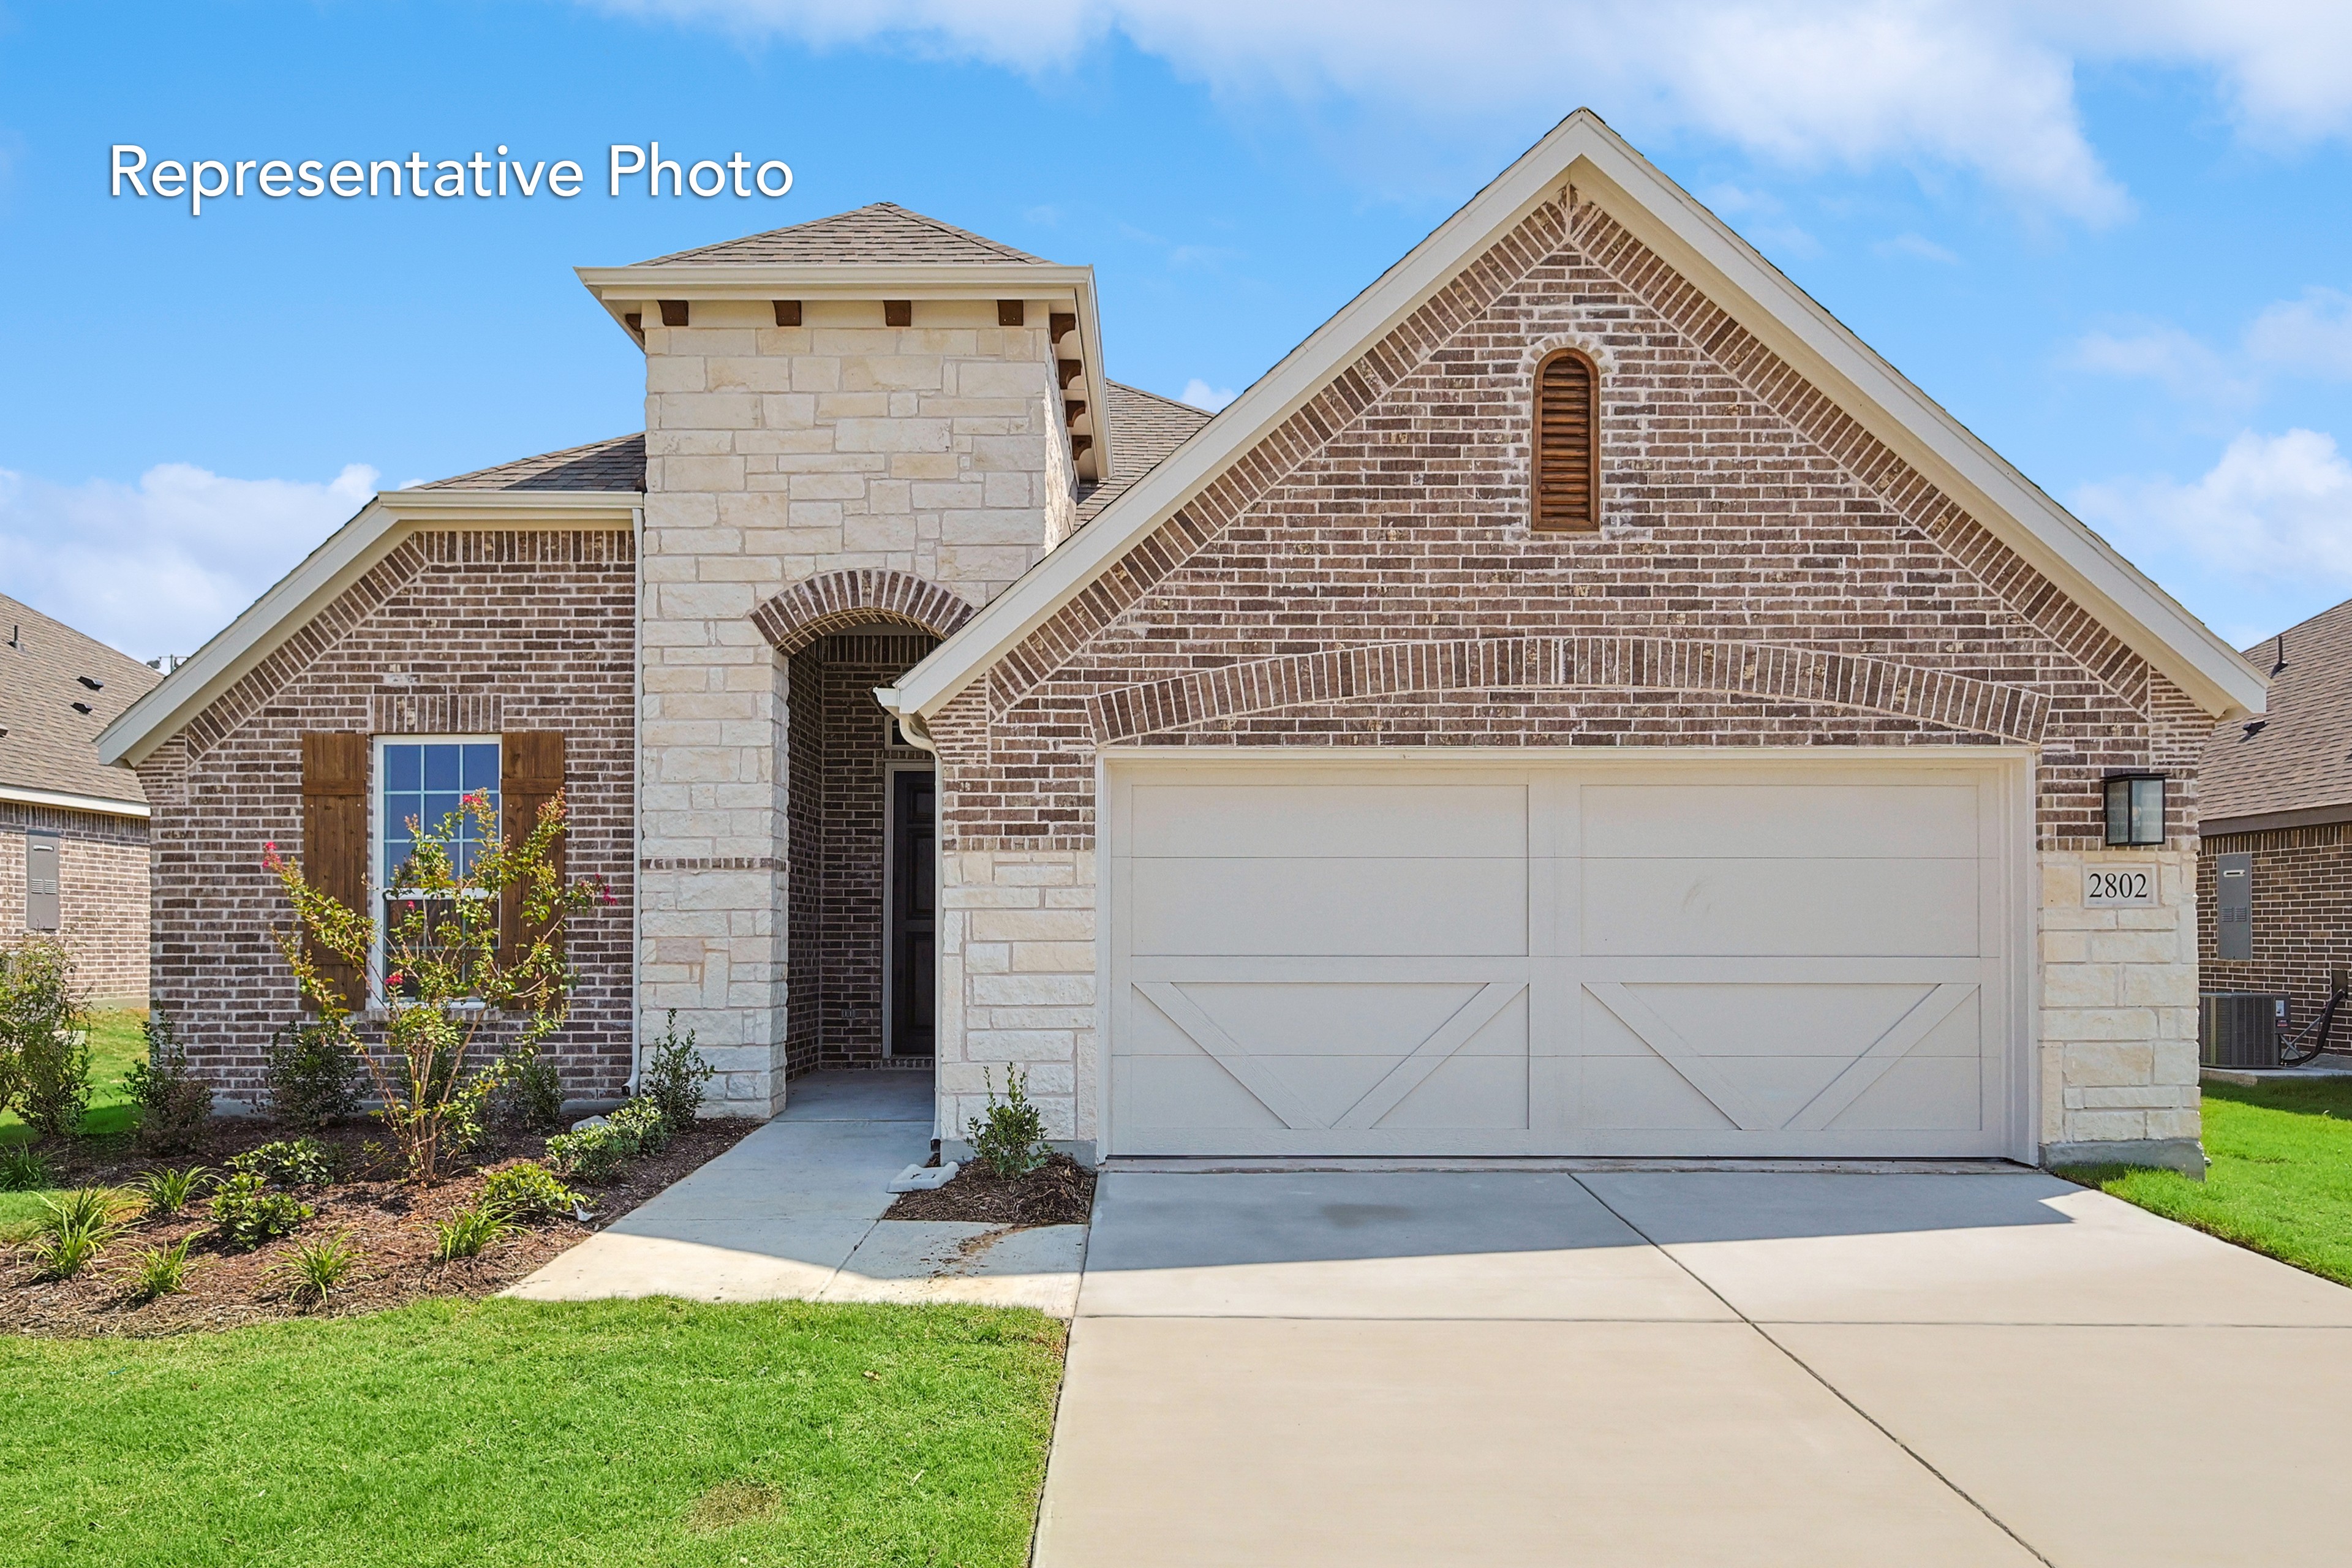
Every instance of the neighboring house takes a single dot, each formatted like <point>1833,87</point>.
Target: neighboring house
<point>1581,700</point>
<point>2274,866</point>
<point>73,832</point>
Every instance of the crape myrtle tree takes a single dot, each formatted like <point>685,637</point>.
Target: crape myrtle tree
<point>455,982</point>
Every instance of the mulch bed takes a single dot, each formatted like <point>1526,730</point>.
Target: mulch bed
<point>1059,1191</point>
<point>390,1222</point>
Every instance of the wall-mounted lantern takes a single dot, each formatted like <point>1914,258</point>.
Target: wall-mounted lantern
<point>2135,809</point>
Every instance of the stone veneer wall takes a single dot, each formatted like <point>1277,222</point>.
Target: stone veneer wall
<point>102,894</point>
<point>454,631</point>
<point>775,455</point>
<point>1768,574</point>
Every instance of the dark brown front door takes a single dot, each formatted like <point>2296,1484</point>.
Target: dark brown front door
<point>913,915</point>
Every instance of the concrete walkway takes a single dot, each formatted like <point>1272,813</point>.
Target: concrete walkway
<point>1665,1370</point>
<point>794,1212</point>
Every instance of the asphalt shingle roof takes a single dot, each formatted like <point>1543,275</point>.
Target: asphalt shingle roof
<point>47,743</point>
<point>618,464</point>
<point>2299,756</point>
<point>879,233</point>
<point>1144,429</point>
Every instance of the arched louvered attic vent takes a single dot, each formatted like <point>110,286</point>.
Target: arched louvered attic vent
<point>1566,444</point>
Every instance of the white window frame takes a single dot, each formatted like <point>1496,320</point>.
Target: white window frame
<point>379,870</point>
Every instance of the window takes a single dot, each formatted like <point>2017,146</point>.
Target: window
<point>420,781</point>
<point>1567,444</point>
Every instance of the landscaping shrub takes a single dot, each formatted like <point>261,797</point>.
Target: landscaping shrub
<point>673,1077</point>
<point>300,1162</point>
<point>44,1037</point>
<point>444,959</point>
<point>310,1270</point>
<point>23,1171</point>
<point>598,1154</point>
<point>74,1230</point>
<point>166,1193</point>
<point>1010,1139</point>
<point>527,1192</point>
<point>174,1103</point>
<point>247,1211</point>
<point>160,1272</point>
<point>310,1073</point>
<point>532,1098</point>
<point>467,1232</point>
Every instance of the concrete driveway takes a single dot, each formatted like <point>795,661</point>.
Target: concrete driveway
<point>1659,1369</point>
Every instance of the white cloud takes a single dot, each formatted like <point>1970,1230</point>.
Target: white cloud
<point>1986,86</point>
<point>159,567</point>
<point>1201,395</point>
<point>1917,247</point>
<point>2312,334</point>
<point>2276,509</point>
<point>2180,361</point>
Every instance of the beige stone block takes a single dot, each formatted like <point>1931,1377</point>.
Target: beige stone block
<point>1033,924</point>
<point>1025,453</point>
<point>840,486</point>
<point>1053,957</point>
<point>790,449</point>
<point>753,373</point>
<point>1032,990</point>
<point>832,407</point>
<point>983,896</point>
<point>2095,1063</point>
<point>2176,1123</point>
<point>890,373</point>
<point>708,411</point>
<point>1021,1045</point>
<point>675,372</point>
<point>987,562</point>
<point>702,473</point>
<point>696,443</point>
<point>2135,947</point>
<point>710,343</point>
<point>924,465</point>
<point>2176,1060</point>
<point>1010,491</point>
<point>935,496</point>
<point>2081,985</point>
<point>1016,381</point>
<point>885,532</point>
<point>988,957</point>
<point>2159,985</point>
<point>2065,947</point>
<point>890,434</point>
<point>2106,1126</point>
<point>983,527</point>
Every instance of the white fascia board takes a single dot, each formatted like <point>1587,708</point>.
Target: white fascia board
<point>340,560</point>
<point>1584,152</point>
<point>97,805</point>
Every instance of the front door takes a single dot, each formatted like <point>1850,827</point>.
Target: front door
<point>912,918</point>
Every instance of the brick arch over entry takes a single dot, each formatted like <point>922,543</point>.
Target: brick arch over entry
<point>840,600</point>
<point>1740,668</point>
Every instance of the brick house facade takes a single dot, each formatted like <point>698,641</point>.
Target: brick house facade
<point>881,461</point>
<point>73,833</point>
<point>2278,793</point>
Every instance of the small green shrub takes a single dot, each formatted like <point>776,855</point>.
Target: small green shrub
<point>174,1103</point>
<point>598,1154</point>
<point>44,1037</point>
<point>312,1271</point>
<point>527,1192</point>
<point>74,1229</point>
<point>160,1272</point>
<point>674,1075</point>
<point>1011,1139</point>
<point>311,1071</point>
<point>167,1191</point>
<point>23,1171</point>
<point>90,1208</point>
<point>247,1211</point>
<point>467,1232</point>
<point>298,1162</point>
<point>531,1098</point>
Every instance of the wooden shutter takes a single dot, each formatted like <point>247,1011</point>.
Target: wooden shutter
<point>1568,443</point>
<point>530,774</point>
<point>335,844</point>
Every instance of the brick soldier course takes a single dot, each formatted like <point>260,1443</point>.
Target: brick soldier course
<point>1036,564</point>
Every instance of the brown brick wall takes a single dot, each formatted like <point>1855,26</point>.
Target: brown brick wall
<point>102,894</point>
<point>1787,580</point>
<point>2303,891</point>
<point>837,813</point>
<point>484,630</point>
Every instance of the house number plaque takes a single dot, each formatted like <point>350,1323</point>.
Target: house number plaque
<point>2118,886</point>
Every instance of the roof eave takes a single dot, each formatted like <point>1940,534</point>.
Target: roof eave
<point>344,557</point>
<point>1584,152</point>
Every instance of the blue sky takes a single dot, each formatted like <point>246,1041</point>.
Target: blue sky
<point>2114,243</point>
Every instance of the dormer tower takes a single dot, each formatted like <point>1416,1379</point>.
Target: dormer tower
<point>872,420</point>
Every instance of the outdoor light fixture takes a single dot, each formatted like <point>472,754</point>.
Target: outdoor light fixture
<point>2135,809</point>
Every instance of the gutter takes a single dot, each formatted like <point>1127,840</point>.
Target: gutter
<point>97,805</point>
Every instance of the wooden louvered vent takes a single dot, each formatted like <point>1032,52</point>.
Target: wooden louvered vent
<point>1568,445</point>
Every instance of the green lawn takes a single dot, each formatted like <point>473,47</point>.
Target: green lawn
<point>2281,1182</point>
<point>115,1042</point>
<point>508,1432</point>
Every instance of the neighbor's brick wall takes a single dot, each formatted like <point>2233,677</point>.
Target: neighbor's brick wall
<point>102,894</point>
<point>454,631</point>
<point>1749,524</point>
<point>2303,888</point>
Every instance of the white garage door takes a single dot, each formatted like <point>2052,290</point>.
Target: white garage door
<point>1773,955</point>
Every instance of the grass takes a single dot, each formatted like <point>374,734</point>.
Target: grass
<point>115,1042</point>
<point>655,1432</point>
<point>2280,1181</point>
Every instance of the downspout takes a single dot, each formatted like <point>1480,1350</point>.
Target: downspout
<point>637,789</point>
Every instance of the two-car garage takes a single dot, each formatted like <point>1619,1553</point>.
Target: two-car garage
<point>1761,954</point>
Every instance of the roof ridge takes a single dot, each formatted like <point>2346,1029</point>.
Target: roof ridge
<point>829,224</point>
<point>946,228</point>
<point>1161,397</point>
